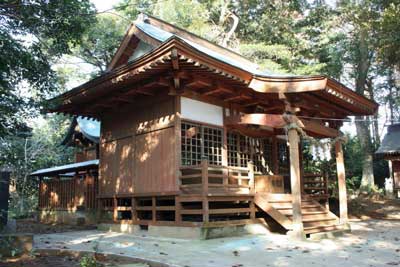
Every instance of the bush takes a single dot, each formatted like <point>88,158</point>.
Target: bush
<point>88,261</point>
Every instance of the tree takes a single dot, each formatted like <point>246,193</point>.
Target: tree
<point>100,42</point>
<point>389,34</point>
<point>361,44</point>
<point>36,148</point>
<point>32,34</point>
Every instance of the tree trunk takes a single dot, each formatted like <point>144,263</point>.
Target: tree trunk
<point>375,125</point>
<point>363,131</point>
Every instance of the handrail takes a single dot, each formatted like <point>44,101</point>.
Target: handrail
<point>315,185</point>
<point>227,174</point>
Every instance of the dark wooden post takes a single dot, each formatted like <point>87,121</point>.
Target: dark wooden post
<point>115,210</point>
<point>204,182</point>
<point>298,231</point>
<point>153,209</point>
<point>341,182</point>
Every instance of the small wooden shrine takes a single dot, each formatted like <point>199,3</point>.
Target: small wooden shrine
<point>195,136</point>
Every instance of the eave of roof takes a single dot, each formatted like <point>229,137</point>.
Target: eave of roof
<point>391,141</point>
<point>66,168</point>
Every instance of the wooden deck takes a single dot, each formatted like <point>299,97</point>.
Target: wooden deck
<point>220,196</point>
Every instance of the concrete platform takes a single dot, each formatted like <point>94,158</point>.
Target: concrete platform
<point>371,243</point>
<point>199,233</point>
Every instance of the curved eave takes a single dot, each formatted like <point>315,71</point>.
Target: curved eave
<point>327,88</point>
<point>287,84</point>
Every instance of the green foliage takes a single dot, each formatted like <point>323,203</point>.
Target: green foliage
<point>100,42</point>
<point>32,34</point>
<point>88,261</point>
<point>29,151</point>
<point>389,35</point>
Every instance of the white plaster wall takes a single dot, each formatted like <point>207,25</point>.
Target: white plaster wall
<point>200,111</point>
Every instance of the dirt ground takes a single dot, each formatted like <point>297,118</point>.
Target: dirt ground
<point>374,241</point>
<point>365,208</point>
<point>65,261</point>
<point>34,227</point>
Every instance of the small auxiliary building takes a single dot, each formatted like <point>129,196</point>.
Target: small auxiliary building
<point>390,150</point>
<point>196,139</point>
<point>68,193</point>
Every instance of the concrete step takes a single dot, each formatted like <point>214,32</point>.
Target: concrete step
<point>304,212</point>
<point>320,229</point>
<point>320,223</point>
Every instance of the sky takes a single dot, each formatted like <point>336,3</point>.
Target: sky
<point>102,5</point>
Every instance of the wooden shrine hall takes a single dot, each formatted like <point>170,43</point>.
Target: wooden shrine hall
<point>195,137</point>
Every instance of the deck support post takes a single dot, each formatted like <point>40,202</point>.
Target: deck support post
<point>204,181</point>
<point>341,182</point>
<point>298,230</point>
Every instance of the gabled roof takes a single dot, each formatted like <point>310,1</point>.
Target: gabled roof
<point>161,31</point>
<point>391,142</point>
<point>174,54</point>
<point>89,129</point>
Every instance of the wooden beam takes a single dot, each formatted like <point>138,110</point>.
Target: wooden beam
<point>237,97</point>
<point>175,59</point>
<point>269,120</point>
<point>319,129</point>
<point>341,182</point>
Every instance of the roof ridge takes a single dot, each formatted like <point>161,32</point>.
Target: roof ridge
<point>146,18</point>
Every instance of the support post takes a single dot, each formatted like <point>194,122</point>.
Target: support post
<point>204,182</point>
<point>298,230</point>
<point>115,210</point>
<point>341,182</point>
<point>153,209</point>
<point>250,166</point>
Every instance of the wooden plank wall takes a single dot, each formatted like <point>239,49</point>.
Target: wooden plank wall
<point>68,194</point>
<point>137,149</point>
<point>396,173</point>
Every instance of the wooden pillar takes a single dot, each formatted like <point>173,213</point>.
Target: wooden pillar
<point>178,141</point>
<point>341,182</point>
<point>250,166</point>
<point>298,231</point>
<point>133,209</point>
<point>115,210</point>
<point>204,181</point>
<point>178,207</point>
<point>153,209</point>
<point>225,171</point>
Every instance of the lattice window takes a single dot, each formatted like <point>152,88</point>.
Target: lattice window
<point>267,153</point>
<point>191,144</point>
<point>213,145</point>
<point>283,158</point>
<point>198,140</point>
<point>244,150</point>
<point>233,150</point>
<point>258,155</point>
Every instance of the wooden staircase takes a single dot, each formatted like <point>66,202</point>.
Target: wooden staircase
<point>316,218</point>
